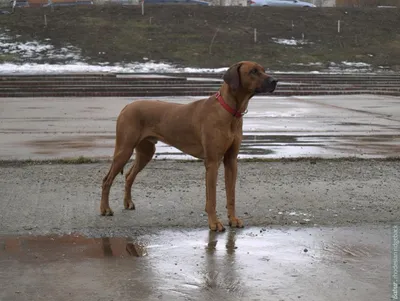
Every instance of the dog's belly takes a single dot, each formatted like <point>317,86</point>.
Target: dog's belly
<point>192,148</point>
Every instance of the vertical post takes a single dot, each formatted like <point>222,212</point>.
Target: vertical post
<point>212,40</point>
<point>45,21</point>
<point>142,2</point>
<point>255,35</point>
<point>50,3</point>
<point>13,5</point>
<point>338,26</point>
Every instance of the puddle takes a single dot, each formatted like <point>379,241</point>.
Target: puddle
<point>58,145</point>
<point>275,127</point>
<point>317,264</point>
<point>50,248</point>
<point>255,145</point>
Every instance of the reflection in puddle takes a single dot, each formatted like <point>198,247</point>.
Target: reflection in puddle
<point>254,145</point>
<point>70,246</point>
<point>240,264</point>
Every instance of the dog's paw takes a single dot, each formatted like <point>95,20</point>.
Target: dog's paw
<point>235,222</point>
<point>129,205</point>
<point>106,212</point>
<point>217,226</point>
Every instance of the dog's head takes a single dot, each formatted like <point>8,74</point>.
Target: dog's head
<point>249,77</point>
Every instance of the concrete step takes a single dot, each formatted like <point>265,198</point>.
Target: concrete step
<point>134,85</point>
<point>177,83</point>
<point>179,93</point>
<point>174,89</point>
<point>90,81</point>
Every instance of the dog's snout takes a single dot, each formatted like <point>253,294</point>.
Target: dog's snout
<point>272,81</point>
<point>270,84</point>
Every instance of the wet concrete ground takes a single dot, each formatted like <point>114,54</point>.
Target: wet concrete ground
<point>249,264</point>
<point>315,230</point>
<point>323,126</point>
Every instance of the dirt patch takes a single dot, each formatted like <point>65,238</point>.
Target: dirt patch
<point>183,35</point>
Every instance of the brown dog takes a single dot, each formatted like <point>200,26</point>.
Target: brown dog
<point>208,129</point>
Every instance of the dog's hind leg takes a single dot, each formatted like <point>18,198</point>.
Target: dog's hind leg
<point>125,143</point>
<point>144,153</point>
<point>120,159</point>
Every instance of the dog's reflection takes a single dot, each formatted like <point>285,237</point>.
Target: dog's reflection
<point>125,246</point>
<point>106,247</point>
<point>230,244</point>
<point>221,272</point>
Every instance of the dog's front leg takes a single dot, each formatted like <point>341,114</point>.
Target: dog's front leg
<point>230,165</point>
<point>211,195</point>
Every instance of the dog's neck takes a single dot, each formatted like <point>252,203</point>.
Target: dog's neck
<point>238,100</point>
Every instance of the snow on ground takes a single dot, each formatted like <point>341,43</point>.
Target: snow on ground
<point>350,66</point>
<point>144,67</point>
<point>291,42</point>
<point>356,64</point>
<point>37,51</point>
<point>308,64</point>
<point>139,67</point>
<point>80,67</point>
<point>34,57</point>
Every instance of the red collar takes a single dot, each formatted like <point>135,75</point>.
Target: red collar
<point>234,112</point>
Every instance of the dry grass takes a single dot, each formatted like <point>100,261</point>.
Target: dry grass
<point>182,34</point>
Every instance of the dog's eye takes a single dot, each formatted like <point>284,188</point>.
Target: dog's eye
<point>254,71</point>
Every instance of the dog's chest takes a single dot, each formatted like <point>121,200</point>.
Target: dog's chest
<point>228,138</point>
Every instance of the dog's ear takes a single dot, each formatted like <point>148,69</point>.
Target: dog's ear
<point>232,76</point>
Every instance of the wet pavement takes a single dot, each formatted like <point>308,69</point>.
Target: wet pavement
<point>319,126</point>
<point>315,264</point>
<point>158,252</point>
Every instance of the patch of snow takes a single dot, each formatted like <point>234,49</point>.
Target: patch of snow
<point>34,55</point>
<point>203,70</point>
<point>147,67</point>
<point>200,79</point>
<point>79,67</point>
<point>36,51</point>
<point>308,64</point>
<point>290,42</point>
<point>356,64</point>
<point>349,67</point>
